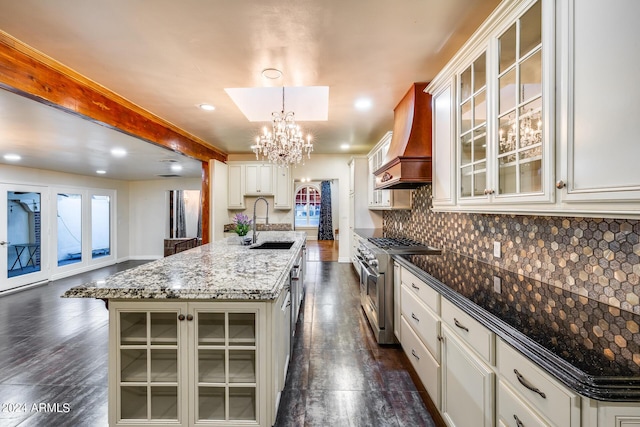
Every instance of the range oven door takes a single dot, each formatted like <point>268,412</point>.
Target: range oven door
<point>372,295</point>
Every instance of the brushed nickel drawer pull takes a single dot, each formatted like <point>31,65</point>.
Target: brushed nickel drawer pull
<point>528,385</point>
<point>414,317</point>
<point>414,354</point>
<point>414,286</point>
<point>518,422</point>
<point>460,325</point>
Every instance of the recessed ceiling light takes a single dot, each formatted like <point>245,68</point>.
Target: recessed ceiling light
<point>363,104</point>
<point>206,107</point>
<point>176,168</point>
<point>12,157</point>
<point>101,172</point>
<point>118,152</point>
<point>344,146</point>
<point>271,73</point>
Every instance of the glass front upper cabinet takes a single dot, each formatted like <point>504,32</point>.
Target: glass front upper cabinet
<point>501,114</point>
<point>519,139</point>
<point>473,128</point>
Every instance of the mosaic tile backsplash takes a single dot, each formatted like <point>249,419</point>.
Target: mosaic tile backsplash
<point>593,257</point>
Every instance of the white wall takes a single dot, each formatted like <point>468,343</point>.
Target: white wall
<point>149,212</point>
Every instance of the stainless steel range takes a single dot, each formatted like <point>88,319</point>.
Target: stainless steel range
<point>376,280</point>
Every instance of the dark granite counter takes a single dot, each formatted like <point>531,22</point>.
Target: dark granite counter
<point>591,347</point>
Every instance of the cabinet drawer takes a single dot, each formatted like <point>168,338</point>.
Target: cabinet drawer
<point>470,330</point>
<point>512,410</point>
<point>427,368</point>
<point>426,293</point>
<point>425,324</point>
<point>551,398</point>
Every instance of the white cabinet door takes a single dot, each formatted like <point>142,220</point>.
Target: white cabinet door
<point>283,195</point>
<point>148,369</point>
<point>600,156</point>
<point>467,385</point>
<point>235,195</point>
<point>397,301</point>
<point>443,146</point>
<point>259,180</point>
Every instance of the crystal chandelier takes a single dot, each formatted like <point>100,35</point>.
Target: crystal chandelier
<point>284,145</point>
<point>530,134</point>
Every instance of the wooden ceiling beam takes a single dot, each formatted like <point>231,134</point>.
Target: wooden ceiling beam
<point>29,73</point>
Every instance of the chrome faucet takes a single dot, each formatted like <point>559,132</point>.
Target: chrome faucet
<point>255,234</point>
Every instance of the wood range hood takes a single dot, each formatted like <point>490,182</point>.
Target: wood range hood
<point>408,161</point>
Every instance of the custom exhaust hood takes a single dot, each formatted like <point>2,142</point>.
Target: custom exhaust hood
<point>408,162</point>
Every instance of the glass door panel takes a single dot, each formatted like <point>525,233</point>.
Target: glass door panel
<point>100,226</point>
<point>520,111</point>
<point>148,365</point>
<point>211,403</point>
<point>226,365</point>
<point>69,232</point>
<point>242,403</point>
<point>23,231</point>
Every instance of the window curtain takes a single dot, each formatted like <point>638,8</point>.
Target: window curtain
<point>181,222</point>
<point>325,226</point>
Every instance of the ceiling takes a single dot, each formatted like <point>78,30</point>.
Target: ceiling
<point>170,56</point>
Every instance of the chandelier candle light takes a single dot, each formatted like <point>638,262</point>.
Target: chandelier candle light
<point>284,145</point>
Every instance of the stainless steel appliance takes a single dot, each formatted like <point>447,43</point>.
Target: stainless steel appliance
<point>376,280</point>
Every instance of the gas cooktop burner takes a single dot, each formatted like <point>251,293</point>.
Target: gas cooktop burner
<point>392,242</point>
<point>398,245</point>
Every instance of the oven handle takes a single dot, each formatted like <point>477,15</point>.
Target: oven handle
<point>366,266</point>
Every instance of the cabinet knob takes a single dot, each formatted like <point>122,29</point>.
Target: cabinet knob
<point>440,338</point>
<point>413,352</point>
<point>189,317</point>
<point>560,184</point>
<point>181,317</point>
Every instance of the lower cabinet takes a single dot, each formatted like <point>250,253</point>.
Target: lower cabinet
<point>282,339</point>
<point>513,411</point>
<point>546,396</point>
<point>427,368</point>
<point>477,379</point>
<point>188,363</point>
<point>467,385</point>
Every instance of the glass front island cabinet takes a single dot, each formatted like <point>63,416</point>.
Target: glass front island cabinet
<point>196,363</point>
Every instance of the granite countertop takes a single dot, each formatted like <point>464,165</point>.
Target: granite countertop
<point>590,346</point>
<point>223,270</point>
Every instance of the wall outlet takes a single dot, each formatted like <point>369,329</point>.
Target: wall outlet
<point>497,284</point>
<point>497,250</point>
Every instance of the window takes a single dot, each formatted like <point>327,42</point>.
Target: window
<point>69,228</point>
<point>307,207</point>
<point>100,226</point>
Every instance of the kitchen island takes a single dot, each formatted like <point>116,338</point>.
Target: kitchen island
<point>203,336</point>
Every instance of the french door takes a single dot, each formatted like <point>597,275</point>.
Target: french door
<point>24,219</point>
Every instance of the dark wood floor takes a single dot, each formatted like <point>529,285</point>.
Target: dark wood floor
<point>322,250</point>
<point>54,351</point>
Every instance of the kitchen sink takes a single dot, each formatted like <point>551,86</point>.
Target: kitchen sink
<point>273,245</point>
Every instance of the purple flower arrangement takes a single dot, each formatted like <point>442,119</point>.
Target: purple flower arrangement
<point>242,223</point>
